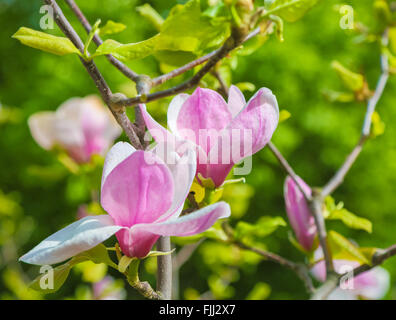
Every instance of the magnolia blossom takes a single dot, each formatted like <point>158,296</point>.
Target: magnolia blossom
<point>106,289</point>
<point>298,212</point>
<point>144,197</point>
<point>81,126</point>
<point>372,284</point>
<point>223,133</point>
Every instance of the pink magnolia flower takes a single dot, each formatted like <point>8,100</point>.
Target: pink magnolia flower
<point>298,212</point>
<point>144,198</point>
<point>222,133</point>
<point>106,289</point>
<point>372,284</point>
<point>81,126</point>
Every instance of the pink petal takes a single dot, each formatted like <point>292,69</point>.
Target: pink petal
<point>77,237</point>
<point>118,153</point>
<point>236,100</point>
<point>256,123</point>
<point>183,169</point>
<point>299,214</point>
<point>173,111</point>
<point>41,125</point>
<point>138,190</point>
<point>204,111</point>
<point>98,126</point>
<point>143,236</point>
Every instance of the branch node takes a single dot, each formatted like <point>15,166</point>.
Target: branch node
<point>115,100</point>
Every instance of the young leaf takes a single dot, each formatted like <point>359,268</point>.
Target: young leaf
<point>45,42</point>
<point>124,263</point>
<point>60,275</point>
<point>151,15</point>
<point>353,81</point>
<point>97,255</point>
<point>378,126</point>
<point>284,115</point>
<point>351,220</point>
<point>129,51</point>
<point>185,30</point>
<point>338,212</point>
<point>111,27</point>
<point>342,248</point>
<point>290,10</point>
<point>264,227</point>
<point>53,280</point>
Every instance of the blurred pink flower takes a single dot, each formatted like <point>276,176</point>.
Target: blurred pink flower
<point>222,133</point>
<point>80,126</point>
<point>372,284</point>
<point>106,290</point>
<point>144,197</point>
<point>298,212</point>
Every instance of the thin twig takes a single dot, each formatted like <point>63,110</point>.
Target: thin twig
<point>333,281</point>
<point>289,170</point>
<point>230,44</point>
<point>339,177</point>
<point>94,72</point>
<point>164,269</point>
<point>300,269</point>
<point>316,206</point>
<point>87,26</point>
<point>174,73</point>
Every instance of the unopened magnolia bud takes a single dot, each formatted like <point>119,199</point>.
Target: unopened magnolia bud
<point>115,100</point>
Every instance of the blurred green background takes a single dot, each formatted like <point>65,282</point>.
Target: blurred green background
<point>38,195</point>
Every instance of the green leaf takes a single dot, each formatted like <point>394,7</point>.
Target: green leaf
<point>98,254</point>
<point>45,42</point>
<point>91,34</point>
<point>185,30</point>
<point>290,10</point>
<point>260,291</point>
<point>263,228</point>
<point>151,15</point>
<point>60,275</point>
<point>351,220</point>
<point>337,96</point>
<point>129,51</point>
<point>353,81</point>
<point>124,263</point>
<point>342,248</point>
<point>378,126</point>
<point>57,276</point>
<point>111,27</point>
<point>284,115</point>
<point>338,212</point>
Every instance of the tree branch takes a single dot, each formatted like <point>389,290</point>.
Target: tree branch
<point>300,269</point>
<point>87,26</point>
<point>164,269</point>
<point>339,177</point>
<point>333,282</point>
<point>230,44</point>
<point>289,170</point>
<point>95,74</point>
<point>174,73</point>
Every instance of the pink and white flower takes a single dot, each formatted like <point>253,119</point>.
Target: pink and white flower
<point>298,212</point>
<point>81,126</point>
<point>372,284</point>
<point>223,133</point>
<point>144,197</point>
